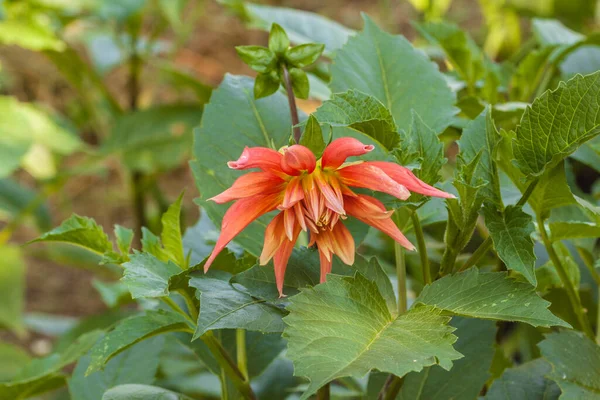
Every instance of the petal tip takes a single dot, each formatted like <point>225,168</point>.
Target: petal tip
<point>369,147</point>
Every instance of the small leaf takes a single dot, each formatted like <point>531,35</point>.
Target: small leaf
<point>171,233</point>
<point>511,231</point>
<point>328,339</point>
<point>113,293</point>
<point>361,112</point>
<point>151,245</point>
<point>304,55</point>
<point>489,295</point>
<point>124,238</point>
<point>575,363</point>
<point>278,39</point>
<point>222,306</point>
<point>395,73</point>
<point>29,35</point>
<point>529,73</point>
<point>573,230</point>
<point>552,191</point>
<point>12,288</point>
<point>527,381</point>
<point>312,137</point>
<point>131,331</point>
<point>300,83</point>
<point>147,276</point>
<point>137,392</point>
<point>79,231</point>
<point>557,123</point>
<point>265,85</point>
<point>258,58</point>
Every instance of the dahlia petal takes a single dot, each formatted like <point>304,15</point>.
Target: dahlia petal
<point>293,193</point>
<point>300,216</point>
<point>365,175</point>
<point>281,259</point>
<point>371,207</point>
<point>238,217</point>
<point>325,266</point>
<point>289,223</point>
<point>405,177</point>
<point>250,184</point>
<point>296,159</point>
<point>385,225</point>
<point>336,153</point>
<point>274,236</point>
<point>258,157</point>
<point>343,243</point>
<point>333,199</point>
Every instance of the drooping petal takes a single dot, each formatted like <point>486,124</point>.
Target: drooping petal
<point>274,236</point>
<point>289,223</point>
<point>356,206</point>
<point>281,259</point>
<point>336,153</point>
<point>238,217</point>
<point>333,199</point>
<point>258,157</point>
<point>296,159</point>
<point>405,177</point>
<point>343,243</point>
<point>300,216</point>
<point>293,193</point>
<point>325,266</point>
<point>250,184</point>
<point>365,175</point>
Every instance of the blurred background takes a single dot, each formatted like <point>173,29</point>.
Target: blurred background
<point>98,99</point>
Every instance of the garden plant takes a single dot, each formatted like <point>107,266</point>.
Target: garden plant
<point>427,230</point>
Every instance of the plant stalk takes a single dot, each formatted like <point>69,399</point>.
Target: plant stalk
<point>292,103</point>
<point>564,277</point>
<point>323,393</point>
<point>401,275</point>
<point>240,344</point>
<point>422,248</point>
<point>228,366</point>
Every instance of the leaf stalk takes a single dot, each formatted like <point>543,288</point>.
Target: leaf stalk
<point>292,103</point>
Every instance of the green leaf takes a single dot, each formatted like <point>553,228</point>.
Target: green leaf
<point>575,363</point>
<point>468,375</point>
<point>171,233</point>
<point>131,331</point>
<point>300,83</point>
<point>44,374</point>
<point>278,39</point>
<point>141,392</point>
<point>480,136</point>
<point>15,198</point>
<point>398,75</point>
<point>29,35</point>
<point>529,73</point>
<point>344,328</point>
<point>12,360</point>
<point>124,238</point>
<point>79,231</point>
<point>137,364</point>
<point>113,294</point>
<point>258,58</point>
<point>147,276</point>
<point>511,231</point>
<point>312,137</point>
<point>422,146</point>
<point>525,382</point>
<point>552,191</point>
<point>12,288</point>
<point>489,295</point>
<point>233,120</point>
<point>304,55</point>
<point>222,307</point>
<point>265,85</point>
<point>301,26</point>
<point>151,245</point>
<point>361,112</point>
<point>154,139</point>
<point>557,123</point>
<point>573,230</point>
<point>461,50</point>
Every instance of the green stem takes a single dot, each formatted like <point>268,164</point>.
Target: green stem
<point>564,277</point>
<point>391,388</point>
<point>422,248</point>
<point>589,264</point>
<point>401,275</point>
<point>240,343</point>
<point>292,103</point>
<point>175,307</point>
<point>323,393</point>
<point>228,366</point>
<point>189,302</point>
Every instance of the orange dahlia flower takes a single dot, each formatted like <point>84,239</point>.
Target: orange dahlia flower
<point>313,195</point>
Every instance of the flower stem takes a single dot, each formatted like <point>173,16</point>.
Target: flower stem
<point>292,103</point>
<point>240,344</point>
<point>401,275</point>
<point>422,248</point>
<point>228,366</point>
<point>567,283</point>
<point>323,393</point>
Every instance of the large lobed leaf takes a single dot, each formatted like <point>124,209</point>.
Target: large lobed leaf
<point>344,328</point>
<point>233,120</point>
<point>557,123</point>
<point>489,295</point>
<point>390,69</point>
